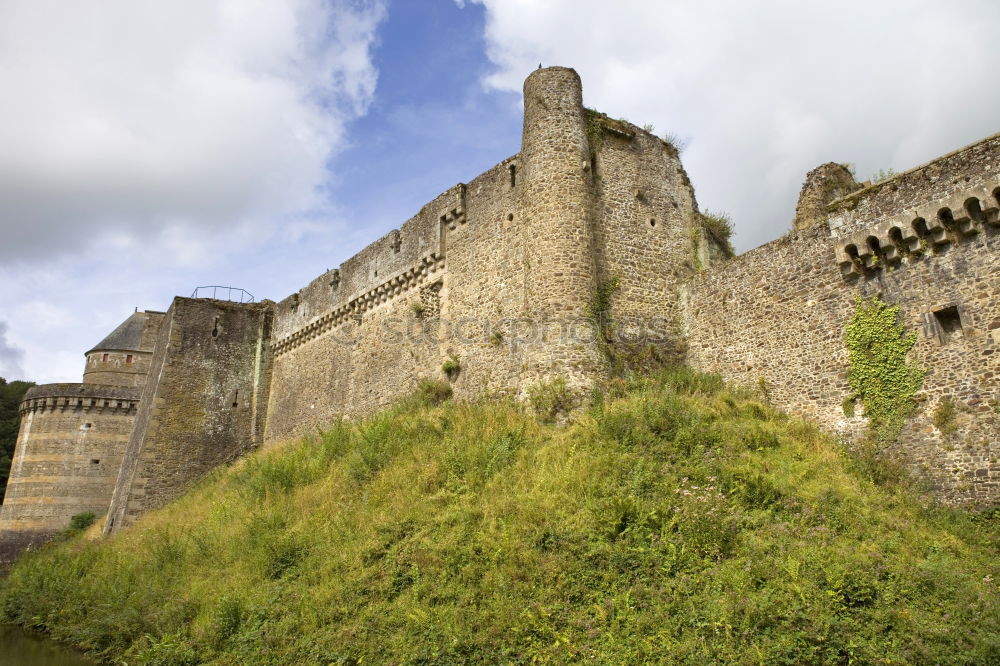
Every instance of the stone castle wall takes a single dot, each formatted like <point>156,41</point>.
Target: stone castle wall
<point>927,240</point>
<point>202,405</point>
<point>497,274</point>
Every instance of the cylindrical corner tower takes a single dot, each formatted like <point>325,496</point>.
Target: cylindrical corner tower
<point>555,208</point>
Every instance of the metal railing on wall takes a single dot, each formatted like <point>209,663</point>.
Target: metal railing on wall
<point>221,293</point>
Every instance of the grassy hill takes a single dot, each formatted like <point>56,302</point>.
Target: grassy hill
<point>675,521</point>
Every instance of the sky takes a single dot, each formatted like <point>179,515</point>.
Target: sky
<point>148,148</point>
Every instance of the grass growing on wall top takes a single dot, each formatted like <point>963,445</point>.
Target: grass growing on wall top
<point>680,521</point>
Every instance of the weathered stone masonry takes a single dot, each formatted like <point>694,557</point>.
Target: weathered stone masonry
<point>499,275</point>
<point>927,240</point>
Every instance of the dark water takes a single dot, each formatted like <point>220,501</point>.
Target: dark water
<point>21,648</point>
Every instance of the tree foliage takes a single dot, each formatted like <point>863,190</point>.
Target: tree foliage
<point>10,397</point>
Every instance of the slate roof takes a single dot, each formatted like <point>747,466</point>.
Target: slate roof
<point>127,337</point>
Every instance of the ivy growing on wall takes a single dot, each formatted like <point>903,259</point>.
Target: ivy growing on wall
<point>599,308</point>
<point>879,374</point>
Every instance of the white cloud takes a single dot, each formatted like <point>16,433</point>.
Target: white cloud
<point>10,357</point>
<point>766,91</point>
<point>149,147</point>
<point>134,119</point>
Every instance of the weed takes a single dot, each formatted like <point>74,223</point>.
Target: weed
<point>720,227</point>
<point>451,367</point>
<point>944,417</point>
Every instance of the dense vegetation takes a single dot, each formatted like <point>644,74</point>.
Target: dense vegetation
<point>674,521</point>
<point>10,397</point>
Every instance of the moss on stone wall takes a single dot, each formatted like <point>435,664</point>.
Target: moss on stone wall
<point>879,375</point>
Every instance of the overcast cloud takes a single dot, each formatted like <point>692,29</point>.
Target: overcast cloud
<point>126,117</point>
<point>10,357</point>
<point>765,91</point>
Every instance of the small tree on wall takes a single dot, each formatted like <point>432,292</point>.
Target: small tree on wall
<point>879,375</point>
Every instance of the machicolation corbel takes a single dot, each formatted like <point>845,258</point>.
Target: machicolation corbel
<point>935,225</point>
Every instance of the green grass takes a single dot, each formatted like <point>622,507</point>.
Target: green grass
<point>674,521</point>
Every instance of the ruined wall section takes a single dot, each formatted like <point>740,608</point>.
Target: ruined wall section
<point>927,240</point>
<point>69,448</point>
<point>202,406</point>
<point>646,235</point>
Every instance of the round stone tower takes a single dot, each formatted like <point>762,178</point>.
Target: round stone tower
<point>555,211</point>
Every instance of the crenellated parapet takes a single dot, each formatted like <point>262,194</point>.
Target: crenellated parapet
<point>919,231</point>
<point>80,397</point>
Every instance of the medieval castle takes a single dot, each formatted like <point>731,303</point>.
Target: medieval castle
<point>495,280</point>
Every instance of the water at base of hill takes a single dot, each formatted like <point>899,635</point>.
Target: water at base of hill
<point>24,648</point>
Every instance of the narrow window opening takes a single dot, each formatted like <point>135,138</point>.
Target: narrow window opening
<point>105,359</point>
<point>652,222</point>
<point>510,217</point>
<point>236,398</point>
<point>86,426</point>
<point>95,461</point>
<point>376,273</point>
<point>949,323</point>
<point>128,358</point>
<point>513,175</point>
<point>215,328</point>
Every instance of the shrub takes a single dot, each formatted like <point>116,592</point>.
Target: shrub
<point>431,392</point>
<point>82,521</point>
<point>551,399</point>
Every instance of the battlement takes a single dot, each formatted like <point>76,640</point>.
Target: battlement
<point>82,397</point>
